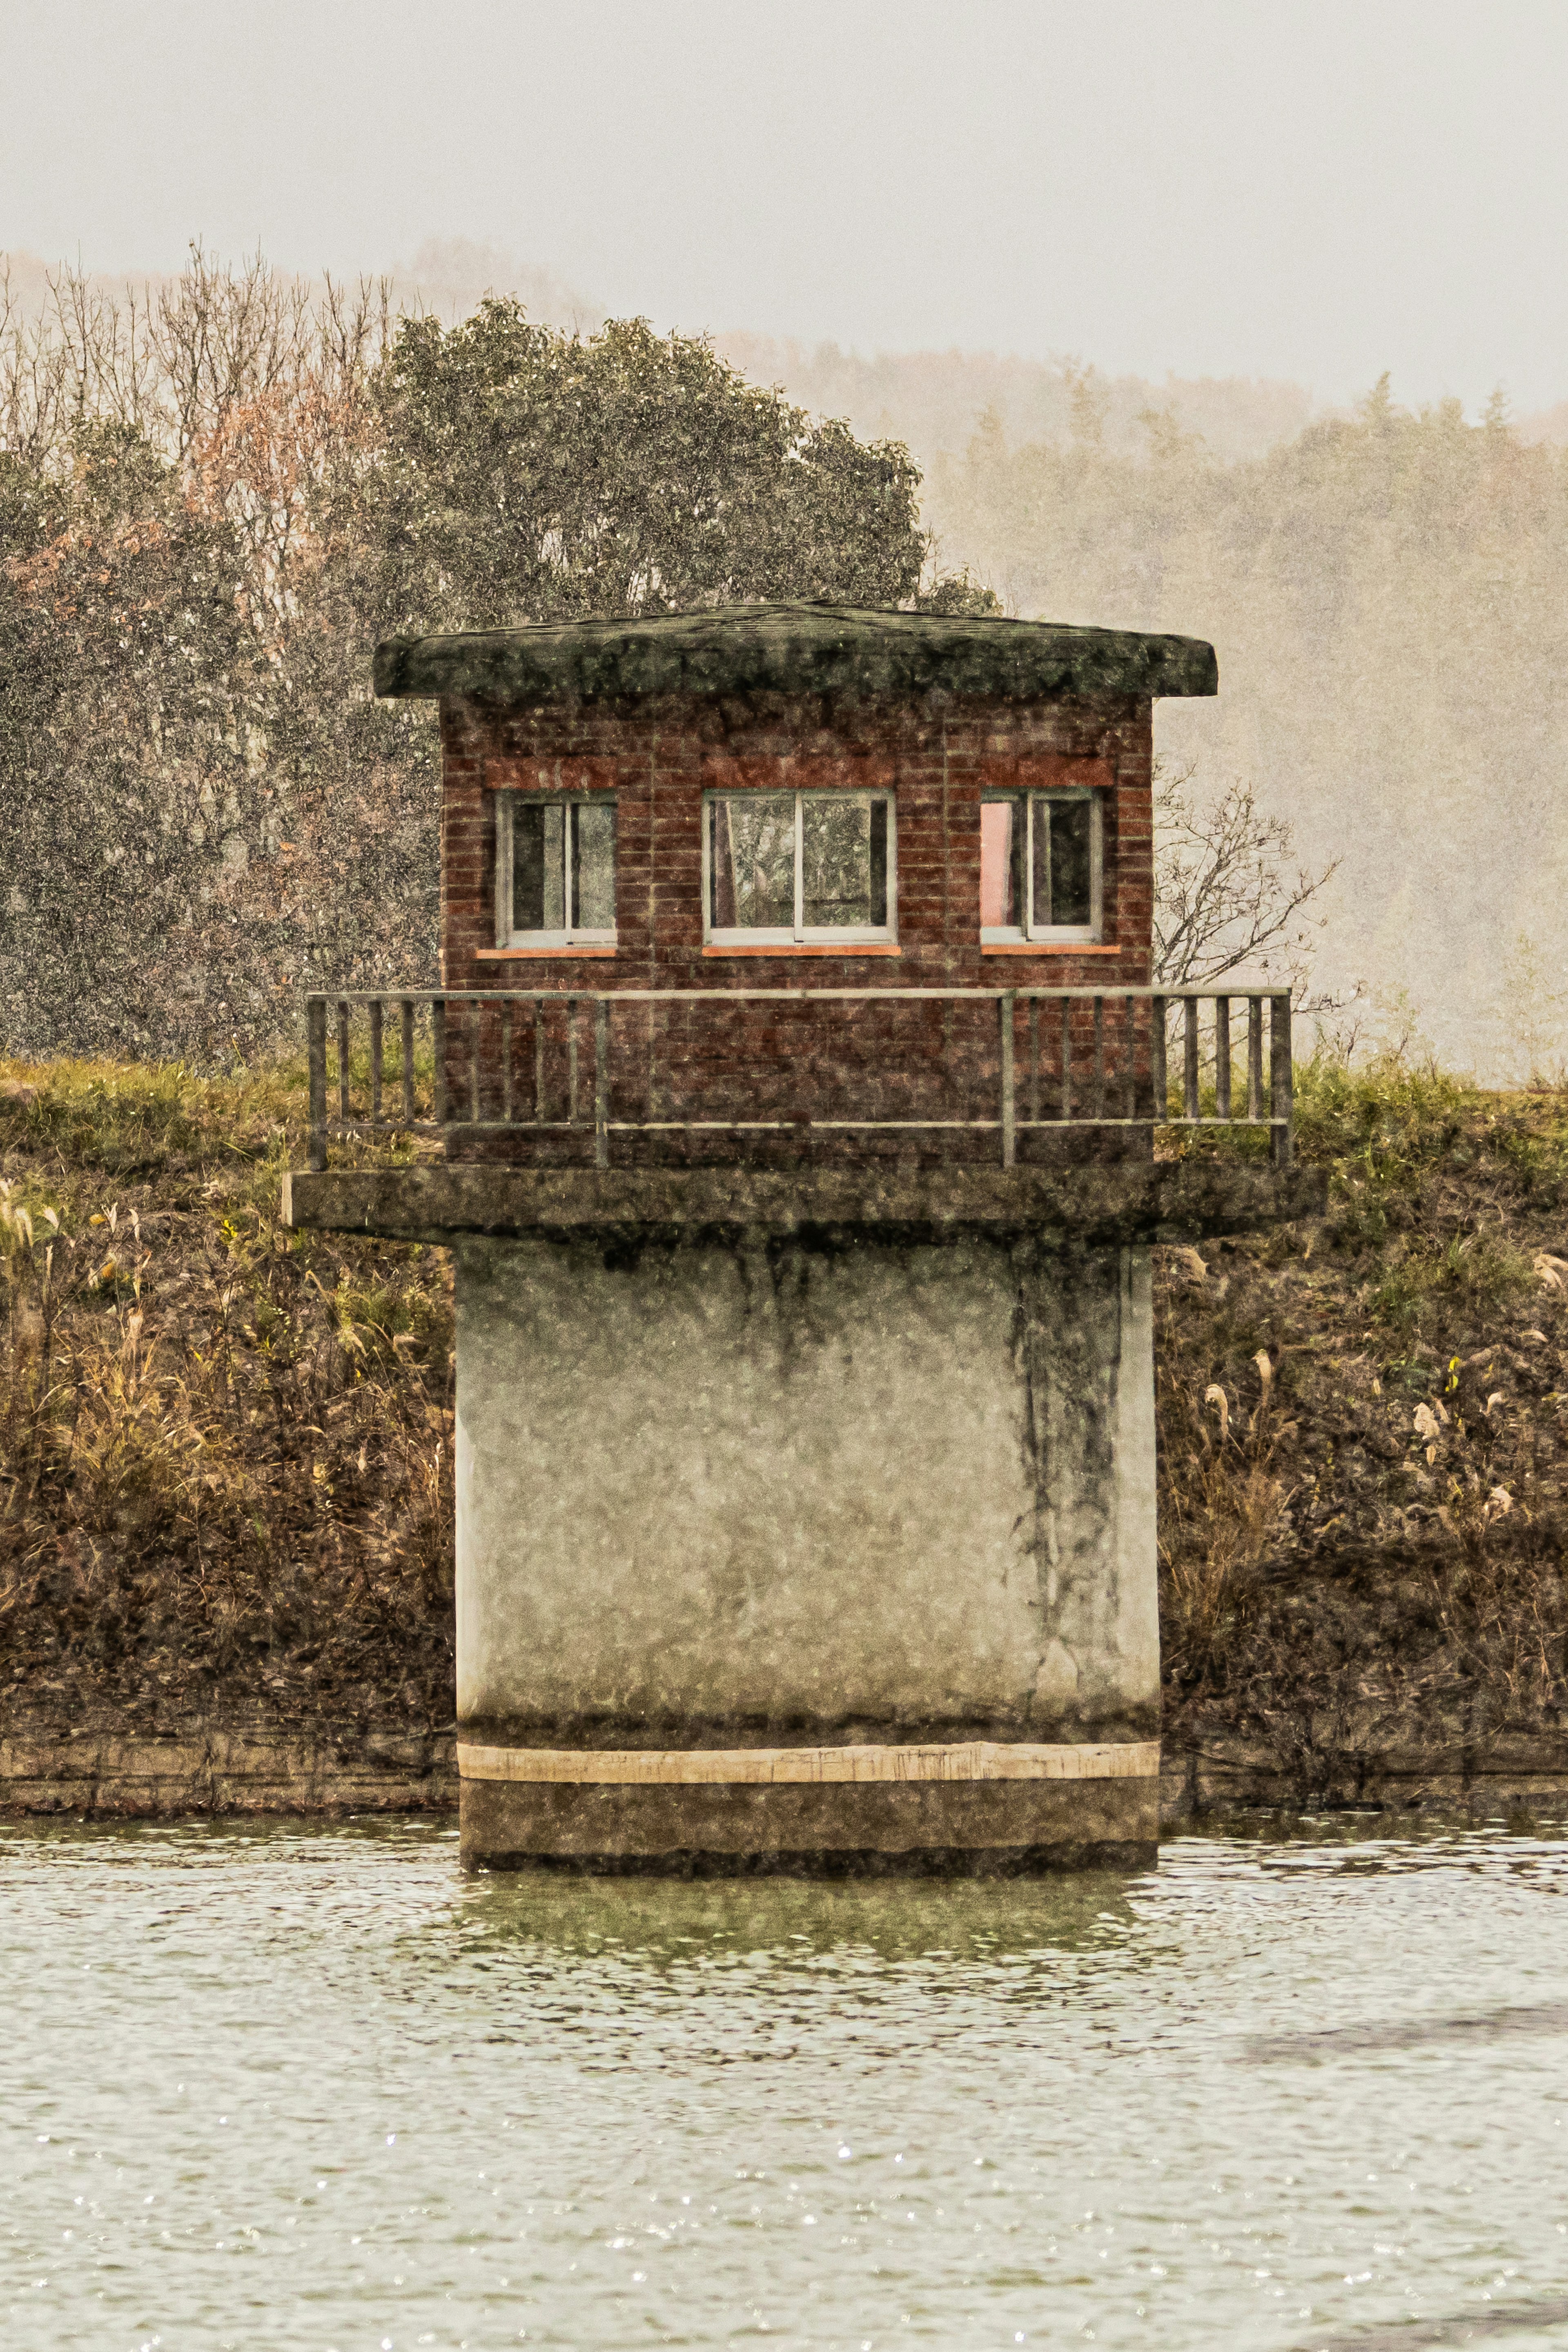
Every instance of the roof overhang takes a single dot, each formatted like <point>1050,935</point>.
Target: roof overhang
<point>840,652</point>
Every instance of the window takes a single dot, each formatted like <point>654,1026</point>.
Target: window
<point>793,868</point>
<point>1040,866</point>
<point>556,871</point>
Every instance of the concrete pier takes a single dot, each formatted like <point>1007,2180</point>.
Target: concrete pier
<point>890,1498</point>
<point>806,1522</point>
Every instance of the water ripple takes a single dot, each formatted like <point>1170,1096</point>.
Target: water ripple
<point>286,2087</point>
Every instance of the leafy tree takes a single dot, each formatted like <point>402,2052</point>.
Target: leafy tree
<point>528,475</point>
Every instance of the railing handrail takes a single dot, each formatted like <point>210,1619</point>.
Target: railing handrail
<point>719,994</point>
<point>1277,1119</point>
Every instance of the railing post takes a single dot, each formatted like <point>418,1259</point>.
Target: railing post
<point>1255,1057</point>
<point>405,1038</point>
<point>1280,1082</point>
<point>1159,1083</point>
<point>601,1082</point>
<point>1190,1105</point>
<point>316,1049</point>
<point>343,1057</point>
<point>1004,1004</point>
<point>438,1040</point>
<point>375,1053</point>
<point>1222,1055</point>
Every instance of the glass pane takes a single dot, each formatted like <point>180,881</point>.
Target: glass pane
<point>842,840</point>
<point>754,862</point>
<point>1001,865</point>
<point>594,875</point>
<point>1064,835</point>
<point>538,866</point>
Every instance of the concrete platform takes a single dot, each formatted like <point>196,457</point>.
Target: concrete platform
<point>1096,1207</point>
<point>805,1520</point>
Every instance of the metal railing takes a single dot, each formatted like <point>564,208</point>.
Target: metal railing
<point>509,1062</point>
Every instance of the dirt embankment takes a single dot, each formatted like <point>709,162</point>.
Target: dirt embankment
<point>226,1451</point>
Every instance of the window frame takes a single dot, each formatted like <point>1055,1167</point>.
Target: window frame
<point>1029,932</point>
<point>799,934</point>
<point>508,803</point>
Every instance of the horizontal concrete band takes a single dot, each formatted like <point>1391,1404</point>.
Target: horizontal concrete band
<point>977,1760</point>
<point>1111,1207</point>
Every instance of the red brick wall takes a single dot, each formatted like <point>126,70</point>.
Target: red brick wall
<point>784,1061</point>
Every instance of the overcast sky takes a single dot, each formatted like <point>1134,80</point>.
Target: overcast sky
<point>1316,191</point>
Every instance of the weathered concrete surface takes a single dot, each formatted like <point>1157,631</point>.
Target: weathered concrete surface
<point>1099,1207</point>
<point>976,1826</point>
<point>103,1773</point>
<point>720,1492</point>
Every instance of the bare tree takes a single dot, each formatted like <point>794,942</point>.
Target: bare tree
<point>1228,891</point>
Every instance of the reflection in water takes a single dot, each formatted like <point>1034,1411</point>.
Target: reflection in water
<point>665,1922</point>
<point>296,2086</point>
<point>1409,2033</point>
<point>1460,2327</point>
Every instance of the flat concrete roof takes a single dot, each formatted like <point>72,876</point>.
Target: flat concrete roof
<point>842,652</point>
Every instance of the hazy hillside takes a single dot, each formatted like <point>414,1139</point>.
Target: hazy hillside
<point>451,276</point>
<point>448,276</point>
<point>1389,599</point>
<point>935,400</point>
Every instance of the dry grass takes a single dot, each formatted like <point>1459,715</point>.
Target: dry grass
<point>1222,1507</point>
<point>1365,1438</point>
<point>224,1448</point>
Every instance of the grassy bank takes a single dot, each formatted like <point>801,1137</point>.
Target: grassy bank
<point>1364,1440</point>
<point>225,1449</point>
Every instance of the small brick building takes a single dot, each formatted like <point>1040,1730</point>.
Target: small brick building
<point>794,797</point>
<point>805,1435</point>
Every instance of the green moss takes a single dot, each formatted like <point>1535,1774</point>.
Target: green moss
<point>839,651</point>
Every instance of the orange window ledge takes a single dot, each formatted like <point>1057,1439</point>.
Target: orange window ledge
<point>522,955</point>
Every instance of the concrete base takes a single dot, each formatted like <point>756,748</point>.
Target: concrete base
<point>948,1827</point>
<point>724,1495</point>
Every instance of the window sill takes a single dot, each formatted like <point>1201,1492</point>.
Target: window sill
<point>1043,947</point>
<point>813,948</point>
<point>520,955</point>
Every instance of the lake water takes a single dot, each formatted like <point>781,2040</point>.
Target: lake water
<point>311,2086</point>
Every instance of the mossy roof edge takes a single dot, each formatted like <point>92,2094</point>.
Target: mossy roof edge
<point>843,653</point>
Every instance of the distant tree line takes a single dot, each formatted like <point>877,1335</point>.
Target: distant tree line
<point>214,501</point>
